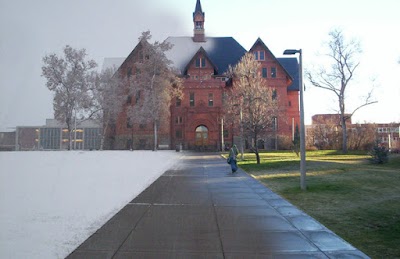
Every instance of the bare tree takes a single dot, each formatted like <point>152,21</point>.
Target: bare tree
<point>343,55</point>
<point>362,136</point>
<point>325,135</point>
<point>107,99</point>
<point>69,78</point>
<point>253,100</point>
<point>154,84</point>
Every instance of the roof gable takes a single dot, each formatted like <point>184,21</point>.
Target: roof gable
<point>289,65</point>
<point>204,53</point>
<point>221,51</point>
<point>131,57</point>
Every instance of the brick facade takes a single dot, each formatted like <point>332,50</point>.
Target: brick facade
<point>196,121</point>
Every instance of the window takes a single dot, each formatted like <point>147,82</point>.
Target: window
<point>264,72</point>
<point>129,99</point>
<point>200,62</point>
<point>129,73</point>
<point>290,103</point>
<point>199,25</point>
<point>191,100</point>
<point>210,99</point>
<point>178,134</point>
<point>259,55</point>
<point>129,123</point>
<point>274,94</point>
<point>262,55</point>
<point>275,123</point>
<point>92,138</point>
<point>226,133</point>
<point>178,102</point>
<point>142,126</point>
<point>178,120</point>
<point>138,93</point>
<point>273,72</point>
<point>50,138</point>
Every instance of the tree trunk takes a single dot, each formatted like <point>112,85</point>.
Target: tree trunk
<point>69,139</point>
<point>257,156</point>
<point>344,136</point>
<point>103,136</point>
<point>155,136</point>
<point>69,136</point>
<point>102,143</point>
<point>343,122</point>
<point>256,149</point>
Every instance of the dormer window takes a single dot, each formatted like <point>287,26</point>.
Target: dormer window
<point>200,62</point>
<point>259,55</point>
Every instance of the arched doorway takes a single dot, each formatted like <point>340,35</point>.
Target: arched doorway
<point>201,136</point>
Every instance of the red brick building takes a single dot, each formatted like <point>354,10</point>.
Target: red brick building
<point>196,121</point>
<point>326,133</point>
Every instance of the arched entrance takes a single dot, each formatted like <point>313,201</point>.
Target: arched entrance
<point>201,136</point>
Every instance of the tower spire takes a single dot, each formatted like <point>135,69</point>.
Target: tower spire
<point>198,8</point>
<point>198,20</point>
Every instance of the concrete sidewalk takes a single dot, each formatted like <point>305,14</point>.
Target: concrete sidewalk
<point>199,210</point>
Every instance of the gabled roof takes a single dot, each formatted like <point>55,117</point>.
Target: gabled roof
<point>222,52</point>
<point>289,65</point>
<point>131,55</point>
<point>202,51</point>
<point>292,67</point>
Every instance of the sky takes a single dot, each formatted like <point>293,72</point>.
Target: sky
<point>29,30</point>
<point>43,217</point>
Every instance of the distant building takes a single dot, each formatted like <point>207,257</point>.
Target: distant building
<point>328,119</point>
<point>196,121</point>
<point>7,141</point>
<point>54,136</point>
<point>325,132</point>
<point>388,135</point>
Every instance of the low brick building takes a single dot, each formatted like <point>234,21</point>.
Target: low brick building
<point>7,141</point>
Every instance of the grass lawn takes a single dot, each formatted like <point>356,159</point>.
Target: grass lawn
<point>357,200</point>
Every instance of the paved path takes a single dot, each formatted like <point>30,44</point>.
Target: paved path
<point>198,210</point>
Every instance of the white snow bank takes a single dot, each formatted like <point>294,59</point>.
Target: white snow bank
<point>50,202</point>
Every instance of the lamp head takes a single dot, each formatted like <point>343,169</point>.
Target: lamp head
<point>291,51</point>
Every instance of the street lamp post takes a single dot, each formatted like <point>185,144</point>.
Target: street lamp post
<point>302,127</point>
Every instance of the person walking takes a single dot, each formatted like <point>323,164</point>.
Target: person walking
<point>232,159</point>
